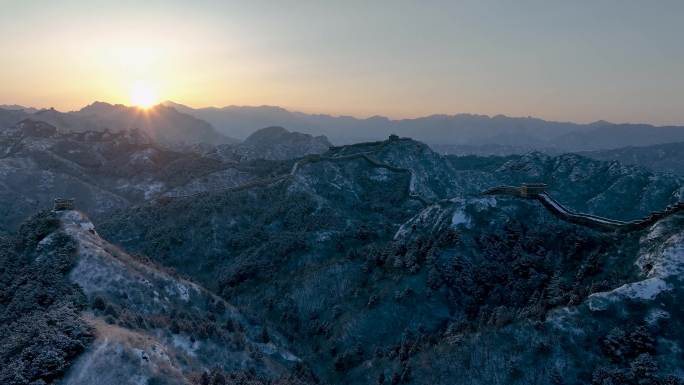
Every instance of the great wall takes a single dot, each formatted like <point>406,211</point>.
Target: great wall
<point>533,191</point>
<point>336,157</point>
<point>537,192</point>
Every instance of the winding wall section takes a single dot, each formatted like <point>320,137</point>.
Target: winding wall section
<point>588,220</point>
<point>335,158</point>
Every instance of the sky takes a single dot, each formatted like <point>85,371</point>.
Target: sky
<point>616,60</point>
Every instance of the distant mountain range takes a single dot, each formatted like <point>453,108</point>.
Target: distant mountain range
<point>17,107</point>
<point>163,124</point>
<point>668,157</point>
<point>462,134</point>
<point>470,132</point>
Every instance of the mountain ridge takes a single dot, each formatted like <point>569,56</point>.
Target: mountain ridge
<point>665,157</point>
<point>142,297</point>
<point>342,227</point>
<point>163,124</point>
<point>519,133</point>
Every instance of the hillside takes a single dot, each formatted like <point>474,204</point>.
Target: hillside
<point>108,170</point>
<point>128,321</point>
<point>378,262</point>
<point>373,286</point>
<point>103,170</point>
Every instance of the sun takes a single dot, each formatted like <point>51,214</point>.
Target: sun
<point>142,95</point>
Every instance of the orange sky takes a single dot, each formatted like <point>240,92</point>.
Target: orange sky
<point>617,61</point>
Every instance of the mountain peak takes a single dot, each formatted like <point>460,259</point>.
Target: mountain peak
<point>276,143</point>
<point>267,134</point>
<point>99,107</point>
<point>35,128</point>
<point>600,123</point>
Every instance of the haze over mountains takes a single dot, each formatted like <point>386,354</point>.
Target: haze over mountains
<point>468,133</point>
<point>164,125</point>
<point>462,134</point>
<point>668,157</point>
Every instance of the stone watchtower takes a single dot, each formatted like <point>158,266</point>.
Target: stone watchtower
<point>530,189</point>
<point>62,204</point>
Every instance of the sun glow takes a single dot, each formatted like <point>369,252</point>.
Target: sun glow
<point>142,95</point>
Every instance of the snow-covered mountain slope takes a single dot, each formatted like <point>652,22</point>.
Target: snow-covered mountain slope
<point>104,171</point>
<point>150,325</point>
<point>368,284</point>
<point>342,260</point>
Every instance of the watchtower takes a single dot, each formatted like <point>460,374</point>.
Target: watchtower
<point>62,204</point>
<point>529,189</point>
<point>393,138</point>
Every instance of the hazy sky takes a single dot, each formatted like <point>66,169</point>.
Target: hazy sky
<point>575,60</point>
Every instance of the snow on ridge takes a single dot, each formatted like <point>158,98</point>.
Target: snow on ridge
<point>646,290</point>
<point>664,262</point>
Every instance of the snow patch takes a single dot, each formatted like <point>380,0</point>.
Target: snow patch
<point>655,315</point>
<point>660,261</point>
<point>182,342</point>
<point>380,175</point>
<point>667,260</point>
<point>153,189</point>
<point>184,292</point>
<point>484,202</point>
<point>646,290</point>
<point>267,348</point>
<point>420,219</point>
<point>323,236</point>
<point>460,218</point>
